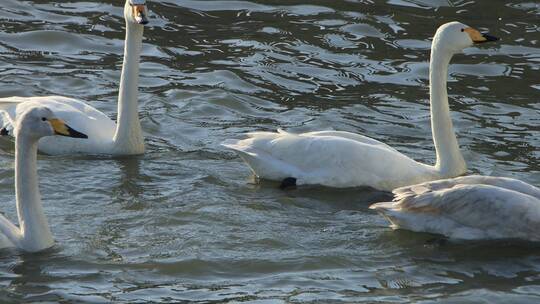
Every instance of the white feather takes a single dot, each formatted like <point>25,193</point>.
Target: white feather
<point>471,207</point>
<point>104,135</point>
<point>343,159</point>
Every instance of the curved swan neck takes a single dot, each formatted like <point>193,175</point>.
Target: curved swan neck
<point>34,228</point>
<point>128,138</point>
<point>450,162</point>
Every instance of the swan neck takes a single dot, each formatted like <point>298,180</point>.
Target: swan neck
<point>450,162</point>
<point>34,228</point>
<point>128,137</point>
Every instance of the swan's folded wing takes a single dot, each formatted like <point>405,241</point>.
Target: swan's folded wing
<point>335,161</point>
<point>75,113</point>
<point>502,182</point>
<point>338,134</point>
<point>9,105</point>
<point>308,153</point>
<point>492,211</point>
<point>8,108</point>
<point>352,136</point>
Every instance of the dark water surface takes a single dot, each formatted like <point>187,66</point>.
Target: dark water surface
<point>186,222</point>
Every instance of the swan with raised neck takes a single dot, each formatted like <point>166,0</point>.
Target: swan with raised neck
<point>344,159</point>
<point>128,138</point>
<point>124,137</point>
<point>33,233</point>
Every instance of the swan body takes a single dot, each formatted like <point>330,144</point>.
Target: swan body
<point>469,208</point>
<point>343,159</point>
<point>33,233</point>
<point>105,136</point>
<point>336,162</point>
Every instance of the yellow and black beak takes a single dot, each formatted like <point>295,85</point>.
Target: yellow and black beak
<point>139,13</point>
<point>478,37</point>
<point>60,128</point>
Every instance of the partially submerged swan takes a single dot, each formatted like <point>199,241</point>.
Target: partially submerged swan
<point>33,233</point>
<point>343,159</point>
<point>470,208</point>
<point>104,135</point>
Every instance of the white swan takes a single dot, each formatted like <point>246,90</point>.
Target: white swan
<point>34,122</point>
<point>104,135</point>
<point>470,208</point>
<point>343,159</point>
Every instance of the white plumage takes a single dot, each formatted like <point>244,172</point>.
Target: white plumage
<point>470,208</point>
<point>328,158</point>
<point>33,233</point>
<point>99,128</point>
<point>343,159</point>
<point>105,136</point>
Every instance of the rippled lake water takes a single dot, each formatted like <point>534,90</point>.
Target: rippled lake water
<point>186,222</point>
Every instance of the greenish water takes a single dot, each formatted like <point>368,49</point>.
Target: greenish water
<point>185,222</point>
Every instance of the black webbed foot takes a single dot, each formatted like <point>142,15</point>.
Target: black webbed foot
<point>288,183</point>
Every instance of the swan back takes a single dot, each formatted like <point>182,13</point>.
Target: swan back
<point>471,207</point>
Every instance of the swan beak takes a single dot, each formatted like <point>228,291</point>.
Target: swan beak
<point>60,128</point>
<point>139,14</point>
<point>478,37</point>
<point>488,37</point>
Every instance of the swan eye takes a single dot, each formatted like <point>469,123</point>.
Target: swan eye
<point>43,119</point>
<point>463,30</point>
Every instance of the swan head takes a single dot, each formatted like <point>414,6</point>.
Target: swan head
<point>135,12</point>
<point>456,36</point>
<point>38,121</point>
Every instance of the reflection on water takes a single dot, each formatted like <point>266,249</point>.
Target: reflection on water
<point>186,220</point>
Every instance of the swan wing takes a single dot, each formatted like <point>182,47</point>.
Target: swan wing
<point>502,182</point>
<point>77,114</point>
<point>352,136</point>
<point>465,210</point>
<point>335,161</point>
<point>10,235</point>
<point>8,110</point>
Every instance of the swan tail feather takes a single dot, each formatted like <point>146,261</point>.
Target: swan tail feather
<point>382,206</point>
<point>8,104</point>
<point>251,138</point>
<point>7,108</point>
<point>238,146</point>
<point>266,134</point>
<point>388,211</point>
<point>263,164</point>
